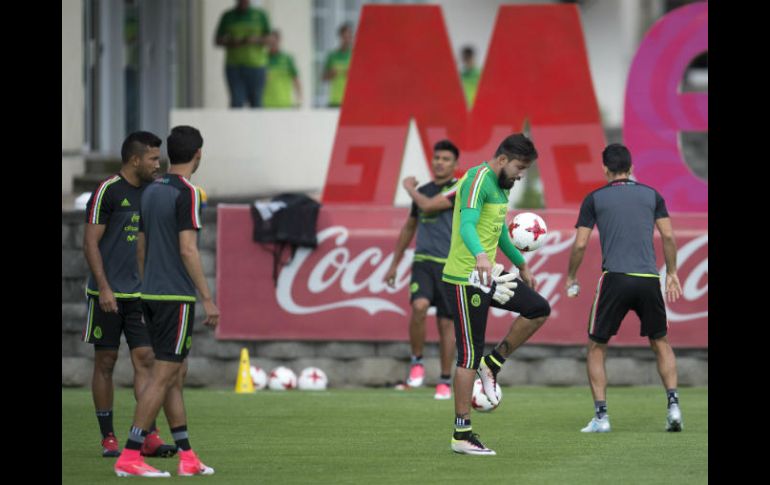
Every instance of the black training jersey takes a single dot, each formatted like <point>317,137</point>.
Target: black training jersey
<point>625,213</point>
<point>170,204</point>
<point>434,229</point>
<point>115,203</point>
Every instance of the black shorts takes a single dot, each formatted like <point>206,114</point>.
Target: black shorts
<point>104,329</point>
<point>616,294</point>
<point>171,327</point>
<point>471,308</point>
<point>426,283</point>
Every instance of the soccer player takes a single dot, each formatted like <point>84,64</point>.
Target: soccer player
<point>168,256</point>
<point>474,281</point>
<point>434,230</point>
<point>625,213</point>
<point>109,244</point>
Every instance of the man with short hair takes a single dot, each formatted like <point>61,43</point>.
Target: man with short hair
<point>282,88</point>
<point>109,245</point>
<point>433,226</point>
<point>625,213</point>
<point>474,282</point>
<point>172,271</point>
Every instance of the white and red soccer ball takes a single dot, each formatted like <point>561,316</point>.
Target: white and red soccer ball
<point>282,379</point>
<point>258,377</point>
<point>313,379</point>
<point>479,400</point>
<point>527,231</point>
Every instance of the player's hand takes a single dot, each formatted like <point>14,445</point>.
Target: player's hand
<point>527,277</point>
<point>503,284</point>
<point>409,182</point>
<point>484,267</point>
<point>107,301</point>
<point>390,277</point>
<point>673,288</point>
<point>212,313</point>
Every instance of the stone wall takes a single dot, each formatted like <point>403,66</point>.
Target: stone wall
<point>214,363</point>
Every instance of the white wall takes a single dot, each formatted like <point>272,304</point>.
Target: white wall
<point>251,151</point>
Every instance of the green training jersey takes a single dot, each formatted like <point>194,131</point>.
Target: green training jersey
<point>479,189</point>
<point>240,25</point>
<point>470,78</point>
<point>339,61</point>
<point>279,86</point>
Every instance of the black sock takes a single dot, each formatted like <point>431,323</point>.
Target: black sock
<point>494,361</point>
<point>181,437</point>
<point>672,396</point>
<point>416,359</point>
<point>445,379</point>
<point>462,428</point>
<point>600,407</point>
<point>105,422</point>
<point>135,438</point>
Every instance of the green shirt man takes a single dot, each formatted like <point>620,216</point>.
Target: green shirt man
<point>242,30</point>
<point>281,81</point>
<point>337,64</point>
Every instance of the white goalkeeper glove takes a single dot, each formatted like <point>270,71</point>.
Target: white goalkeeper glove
<point>502,286</point>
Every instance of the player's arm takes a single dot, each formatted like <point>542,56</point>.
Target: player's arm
<point>513,253</point>
<point>576,256</point>
<point>188,223</point>
<point>188,250</point>
<point>98,212</point>
<point>93,234</point>
<point>438,202</point>
<point>404,238</point>
<point>666,230</point>
<point>584,225</point>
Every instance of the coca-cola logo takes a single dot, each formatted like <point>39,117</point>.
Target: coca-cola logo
<point>357,280</point>
<point>352,274</point>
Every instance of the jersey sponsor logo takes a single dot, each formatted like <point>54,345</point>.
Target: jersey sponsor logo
<point>125,203</point>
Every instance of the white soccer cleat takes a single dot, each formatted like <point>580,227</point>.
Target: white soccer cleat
<point>488,382</point>
<point>471,446</point>
<point>598,425</point>
<point>674,419</point>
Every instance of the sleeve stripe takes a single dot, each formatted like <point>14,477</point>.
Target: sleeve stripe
<point>478,180</point>
<point>196,203</point>
<point>93,218</point>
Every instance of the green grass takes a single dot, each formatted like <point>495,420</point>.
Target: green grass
<point>362,436</point>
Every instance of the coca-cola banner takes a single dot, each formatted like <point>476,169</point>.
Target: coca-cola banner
<point>337,292</point>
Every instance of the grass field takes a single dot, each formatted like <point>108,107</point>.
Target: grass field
<point>362,436</point>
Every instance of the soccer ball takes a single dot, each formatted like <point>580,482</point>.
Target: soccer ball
<point>281,379</point>
<point>313,379</point>
<point>527,231</point>
<point>258,378</point>
<point>479,401</point>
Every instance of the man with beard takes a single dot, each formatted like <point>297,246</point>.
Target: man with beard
<point>474,281</point>
<point>109,244</point>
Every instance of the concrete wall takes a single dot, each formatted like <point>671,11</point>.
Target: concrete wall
<point>214,363</point>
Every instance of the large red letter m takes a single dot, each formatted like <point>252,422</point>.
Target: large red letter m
<point>403,68</point>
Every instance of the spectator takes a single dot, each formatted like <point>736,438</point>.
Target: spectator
<point>469,74</point>
<point>336,65</point>
<point>282,79</point>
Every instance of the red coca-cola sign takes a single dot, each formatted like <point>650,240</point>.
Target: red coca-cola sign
<point>337,292</point>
